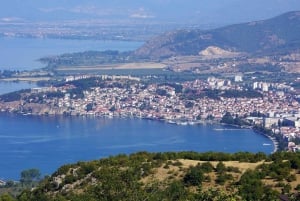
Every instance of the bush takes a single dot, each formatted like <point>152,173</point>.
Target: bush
<point>222,178</point>
<point>220,168</point>
<point>194,176</point>
<point>207,167</point>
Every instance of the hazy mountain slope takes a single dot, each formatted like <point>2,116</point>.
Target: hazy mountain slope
<point>277,34</point>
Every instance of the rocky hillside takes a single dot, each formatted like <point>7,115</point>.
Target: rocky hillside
<point>174,176</point>
<point>279,34</point>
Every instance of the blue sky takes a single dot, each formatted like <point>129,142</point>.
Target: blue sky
<point>174,11</point>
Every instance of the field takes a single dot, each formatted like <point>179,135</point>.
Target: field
<point>144,65</point>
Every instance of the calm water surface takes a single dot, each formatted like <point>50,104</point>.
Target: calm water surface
<point>23,53</point>
<point>6,87</point>
<point>49,142</point>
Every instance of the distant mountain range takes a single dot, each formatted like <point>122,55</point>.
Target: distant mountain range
<point>280,34</point>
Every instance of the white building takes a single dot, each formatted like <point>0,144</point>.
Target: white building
<point>238,78</point>
<point>265,87</point>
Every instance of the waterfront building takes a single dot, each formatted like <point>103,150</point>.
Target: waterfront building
<point>269,122</point>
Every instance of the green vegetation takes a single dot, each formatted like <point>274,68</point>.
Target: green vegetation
<point>13,96</point>
<point>231,120</point>
<point>88,58</point>
<point>8,73</point>
<point>170,176</point>
<point>259,67</point>
<point>30,176</point>
<point>28,179</point>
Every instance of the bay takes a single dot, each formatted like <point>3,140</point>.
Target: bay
<point>7,87</point>
<point>23,53</point>
<point>47,143</point>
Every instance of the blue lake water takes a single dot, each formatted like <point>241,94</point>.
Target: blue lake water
<point>6,87</point>
<point>23,53</point>
<point>49,142</point>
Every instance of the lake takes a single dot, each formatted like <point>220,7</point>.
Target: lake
<point>6,87</point>
<point>23,53</point>
<point>47,143</point>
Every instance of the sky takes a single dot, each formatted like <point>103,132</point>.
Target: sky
<point>164,11</point>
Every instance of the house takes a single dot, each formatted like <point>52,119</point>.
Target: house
<point>2,183</point>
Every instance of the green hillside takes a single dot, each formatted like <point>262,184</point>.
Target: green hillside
<point>173,176</point>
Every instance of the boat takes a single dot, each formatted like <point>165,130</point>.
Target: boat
<point>183,123</point>
<point>266,144</point>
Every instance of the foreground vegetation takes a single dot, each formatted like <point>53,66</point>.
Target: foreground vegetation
<point>173,176</point>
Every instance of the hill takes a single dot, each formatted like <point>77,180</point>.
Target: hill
<point>269,46</point>
<point>279,34</point>
<point>174,176</point>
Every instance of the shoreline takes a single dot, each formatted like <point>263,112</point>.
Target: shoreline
<point>177,122</point>
<point>274,141</point>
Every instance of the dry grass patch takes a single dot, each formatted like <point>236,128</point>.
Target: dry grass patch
<point>167,171</point>
<point>173,172</point>
<point>241,165</point>
<point>144,65</point>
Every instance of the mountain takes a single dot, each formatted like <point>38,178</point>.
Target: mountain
<point>278,34</point>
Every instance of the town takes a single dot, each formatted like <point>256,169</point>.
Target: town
<point>271,106</point>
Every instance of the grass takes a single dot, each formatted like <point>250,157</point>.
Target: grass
<point>168,172</point>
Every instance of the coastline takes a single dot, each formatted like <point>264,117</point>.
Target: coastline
<point>274,141</point>
<point>181,122</point>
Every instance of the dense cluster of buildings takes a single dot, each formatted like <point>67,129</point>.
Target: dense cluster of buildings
<point>276,109</point>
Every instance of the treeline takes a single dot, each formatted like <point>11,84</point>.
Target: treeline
<point>89,58</point>
<point>259,67</point>
<point>25,95</point>
<point>8,73</point>
<point>13,96</point>
<point>128,177</point>
<point>234,120</point>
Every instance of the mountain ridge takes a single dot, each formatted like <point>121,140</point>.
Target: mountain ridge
<point>258,37</point>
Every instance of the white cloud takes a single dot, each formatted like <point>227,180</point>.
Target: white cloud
<point>11,19</point>
<point>141,14</point>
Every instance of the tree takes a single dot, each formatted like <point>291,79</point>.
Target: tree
<point>220,168</point>
<point>194,176</point>
<point>89,107</point>
<point>176,191</point>
<point>30,175</point>
<point>6,197</point>
<point>207,167</point>
<point>227,118</point>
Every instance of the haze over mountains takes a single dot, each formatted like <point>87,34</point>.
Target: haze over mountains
<point>279,34</point>
<point>148,11</point>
